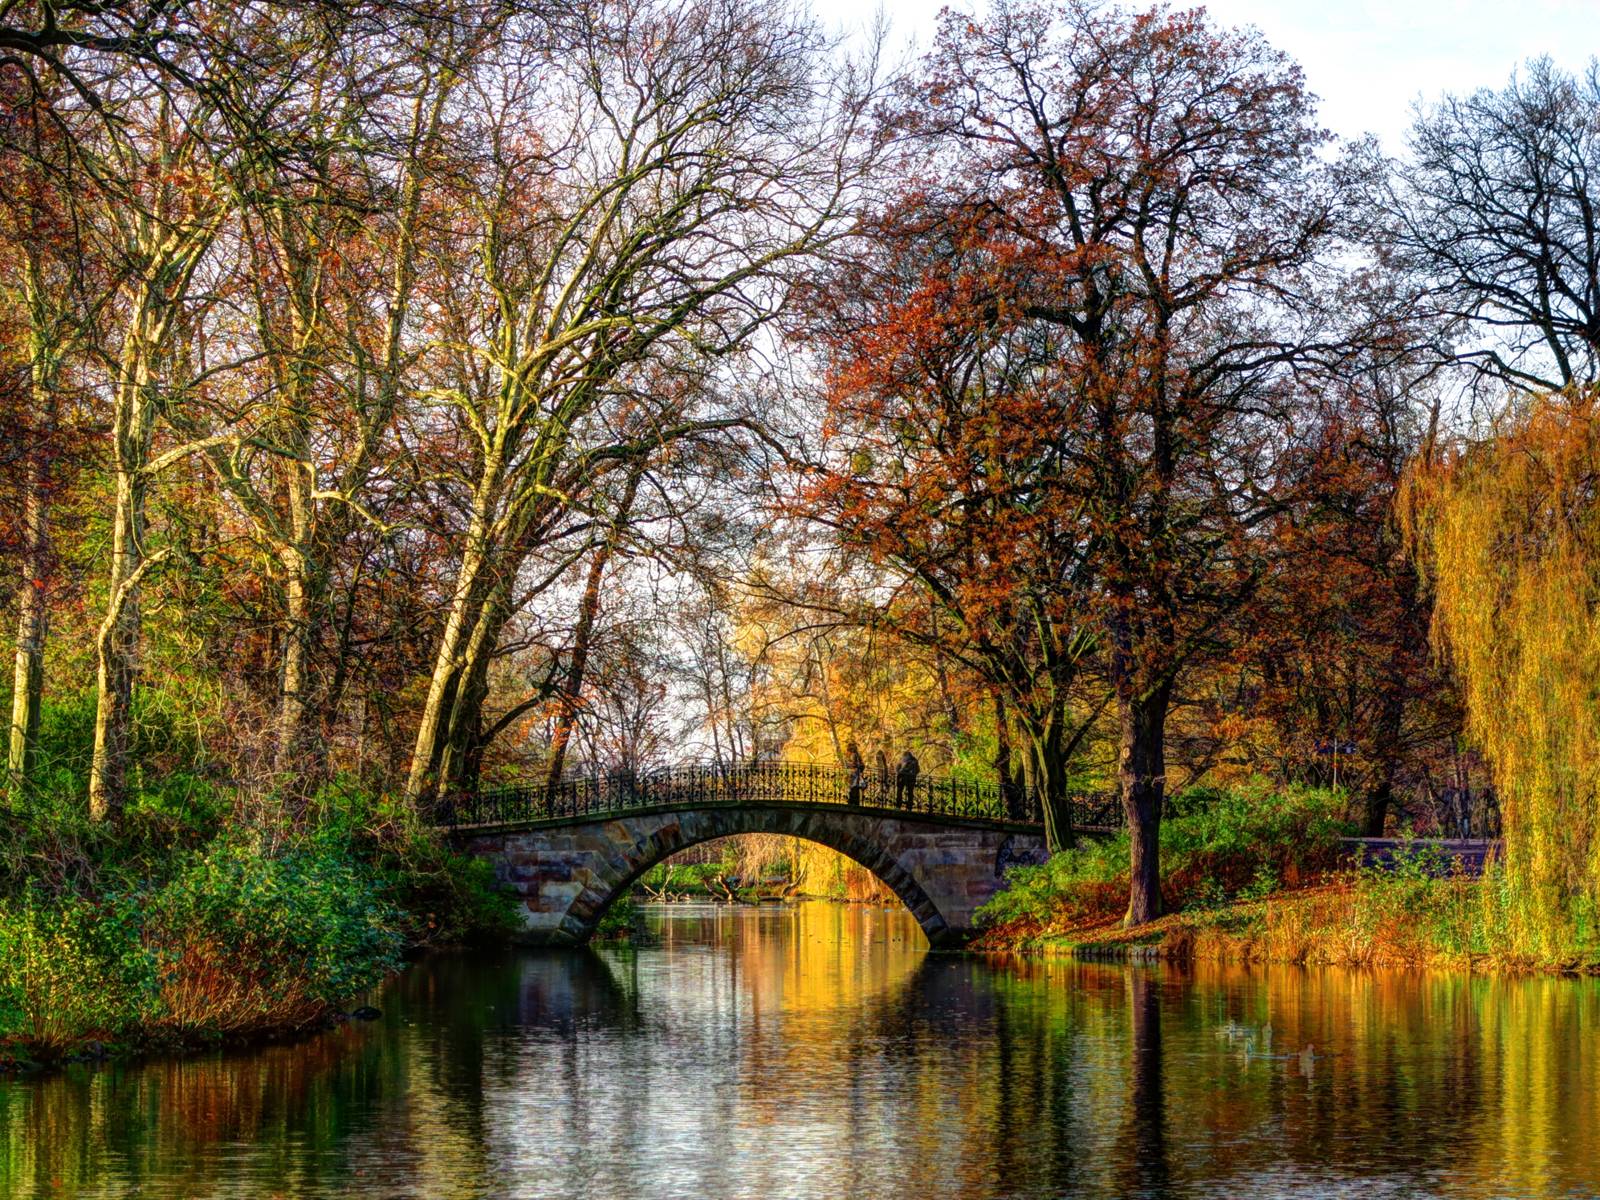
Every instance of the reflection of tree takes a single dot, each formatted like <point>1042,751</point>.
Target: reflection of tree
<point>166,1122</point>
<point>408,1088</point>
<point>1144,1157</point>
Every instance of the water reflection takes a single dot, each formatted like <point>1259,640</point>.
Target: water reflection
<point>819,1051</point>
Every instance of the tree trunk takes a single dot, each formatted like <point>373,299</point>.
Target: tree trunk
<point>293,703</point>
<point>1002,754</point>
<point>1030,780</point>
<point>942,678</point>
<point>423,780</point>
<point>1381,793</point>
<point>1141,772</point>
<point>170,255</point>
<point>462,749</point>
<point>298,558</point>
<point>572,686</point>
<point>33,598</point>
<point>117,647</point>
<point>426,775</point>
<point>1050,780</point>
<point>47,343</point>
<point>1377,814</point>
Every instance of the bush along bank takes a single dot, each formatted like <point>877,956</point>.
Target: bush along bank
<point>1255,874</point>
<point>134,943</point>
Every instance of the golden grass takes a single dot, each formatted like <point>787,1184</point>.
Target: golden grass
<point>1331,924</point>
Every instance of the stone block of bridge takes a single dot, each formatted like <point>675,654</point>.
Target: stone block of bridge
<point>565,875</point>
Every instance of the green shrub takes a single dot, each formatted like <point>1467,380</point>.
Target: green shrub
<point>174,721</point>
<point>1424,905</point>
<point>1249,840</point>
<point>236,940</point>
<point>1073,884</point>
<point>178,810</point>
<point>163,926</point>
<point>72,969</point>
<point>446,897</point>
<point>246,939</point>
<point>686,878</point>
<point>66,738</point>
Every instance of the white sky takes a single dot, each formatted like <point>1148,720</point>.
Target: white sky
<point>1367,60</point>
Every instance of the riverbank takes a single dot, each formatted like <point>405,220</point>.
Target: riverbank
<point>1360,920</point>
<point>1260,874</point>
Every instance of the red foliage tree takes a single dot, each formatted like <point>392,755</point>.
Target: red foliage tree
<point>1120,224</point>
<point>1335,650</point>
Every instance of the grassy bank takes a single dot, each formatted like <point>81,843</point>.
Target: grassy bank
<point>207,913</point>
<point>1256,875</point>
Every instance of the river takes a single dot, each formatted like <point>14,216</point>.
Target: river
<point>818,1051</point>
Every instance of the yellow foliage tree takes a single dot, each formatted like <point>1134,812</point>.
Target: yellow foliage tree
<point>1510,533</point>
<point>831,687</point>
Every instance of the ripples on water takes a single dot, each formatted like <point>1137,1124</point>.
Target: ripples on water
<point>817,1051</point>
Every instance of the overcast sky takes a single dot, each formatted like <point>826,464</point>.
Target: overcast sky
<point>1367,60</point>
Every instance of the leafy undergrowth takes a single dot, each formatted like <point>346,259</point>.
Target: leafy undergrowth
<point>236,942</point>
<point>173,931</point>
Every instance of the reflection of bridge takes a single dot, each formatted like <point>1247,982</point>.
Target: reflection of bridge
<point>942,846</point>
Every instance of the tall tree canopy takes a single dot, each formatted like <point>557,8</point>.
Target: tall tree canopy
<point>1120,219</point>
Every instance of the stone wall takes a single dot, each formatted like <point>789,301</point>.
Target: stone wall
<point>566,874</point>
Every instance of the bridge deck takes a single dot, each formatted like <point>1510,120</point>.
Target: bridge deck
<point>799,785</point>
<point>871,810</point>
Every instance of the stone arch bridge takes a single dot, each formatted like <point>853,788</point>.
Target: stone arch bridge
<point>942,846</point>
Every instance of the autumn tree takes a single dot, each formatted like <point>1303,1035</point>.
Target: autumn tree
<point>54,288</point>
<point>1510,533</point>
<point>649,176</point>
<point>162,217</point>
<point>950,460</point>
<point>329,242</point>
<point>1499,218</point>
<point>1333,654</point>
<point>1138,199</point>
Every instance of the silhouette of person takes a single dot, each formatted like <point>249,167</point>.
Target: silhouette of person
<point>856,771</point>
<point>905,778</point>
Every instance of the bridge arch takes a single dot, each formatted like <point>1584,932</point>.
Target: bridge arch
<point>568,872</point>
<point>834,834</point>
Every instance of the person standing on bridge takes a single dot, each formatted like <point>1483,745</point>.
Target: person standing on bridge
<point>856,771</point>
<point>905,778</point>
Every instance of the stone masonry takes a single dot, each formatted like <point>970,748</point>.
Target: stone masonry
<point>567,873</point>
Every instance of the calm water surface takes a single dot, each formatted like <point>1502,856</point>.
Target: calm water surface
<point>818,1051</point>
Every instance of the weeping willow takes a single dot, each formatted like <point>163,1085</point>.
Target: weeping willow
<point>1510,534</point>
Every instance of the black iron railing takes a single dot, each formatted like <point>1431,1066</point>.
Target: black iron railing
<point>582,796</point>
